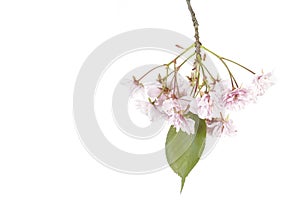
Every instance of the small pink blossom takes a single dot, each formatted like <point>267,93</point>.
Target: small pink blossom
<point>219,85</point>
<point>154,90</point>
<point>216,93</point>
<point>137,92</point>
<point>155,93</point>
<point>172,105</point>
<point>133,84</point>
<point>262,82</point>
<point>184,86</point>
<point>237,99</point>
<point>219,126</point>
<point>148,105</point>
<point>148,109</point>
<point>180,122</point>
<point>175,109</point>
<point>202,106</point>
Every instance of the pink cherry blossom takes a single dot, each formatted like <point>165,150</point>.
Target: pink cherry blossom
<point>216,93</point>
<point>237,99</point>
<point>143,102</point>
<point>262,82</point>
<point>175,109</point>
<point>219,85</point>
<point>184,86</point>
<point>183,123</point>
<point>155,93</point>
<point>172,105</point>
<point>137,92</point>
<point>148,109</point>
<point>219,126</point>
<point>202,106</point>
<point>132,84</point>
<point>154,90</point>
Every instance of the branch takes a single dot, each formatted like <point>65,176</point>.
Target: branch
<point>196,25</point>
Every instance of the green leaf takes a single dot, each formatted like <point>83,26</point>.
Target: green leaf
<point>183,151</point>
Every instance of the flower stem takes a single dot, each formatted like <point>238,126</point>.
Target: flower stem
<point>197,74</point>
<point>186,50</point>
<point>239,65</point>
<point>231,75</point>
<point>150,72</point>
<point>185,61</point>
<point>211,76</point>
<point>222,60</point>
<point>166,77</point>
<point>175,80</point>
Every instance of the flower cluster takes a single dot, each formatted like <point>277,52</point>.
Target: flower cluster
<point>173,98</point>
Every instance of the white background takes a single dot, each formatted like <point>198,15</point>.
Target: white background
<point>42,47</point>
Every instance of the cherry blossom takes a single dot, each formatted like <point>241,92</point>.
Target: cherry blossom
<point>156,94</point>
<point>216,93</point>
<point>202,106</point>
<point>236,99</point>
<point>145,103</point>
<point>201,98</point>
<point>183,123</point>
<point>176,109</point>
<point>148,109</point>
<point>219,126</point>
<point>262,82</point>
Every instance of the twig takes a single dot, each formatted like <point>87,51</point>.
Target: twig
<point>196,26</point>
